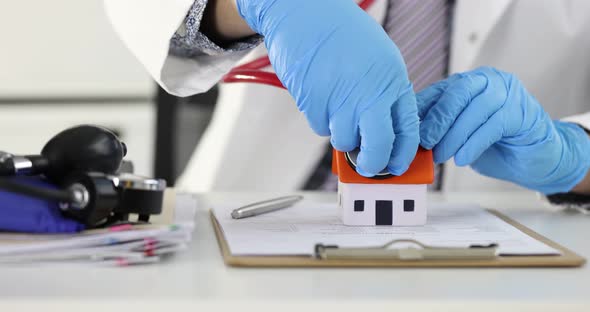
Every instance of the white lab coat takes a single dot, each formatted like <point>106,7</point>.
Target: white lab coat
<point>258,140</point>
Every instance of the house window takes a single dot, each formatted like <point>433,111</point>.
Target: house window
<point>408,205</point>
<point>359,205</point>
<point>383,212</point>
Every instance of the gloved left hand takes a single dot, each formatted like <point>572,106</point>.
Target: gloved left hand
<point>485,118</point>
<point>346,75</point>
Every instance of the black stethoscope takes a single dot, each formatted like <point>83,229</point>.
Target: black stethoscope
<point>84,163</point>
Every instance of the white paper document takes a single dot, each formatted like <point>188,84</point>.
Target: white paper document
<point>296,230</point>
<point>122,245</point>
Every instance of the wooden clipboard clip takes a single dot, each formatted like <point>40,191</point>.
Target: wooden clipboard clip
<point>410,253</point>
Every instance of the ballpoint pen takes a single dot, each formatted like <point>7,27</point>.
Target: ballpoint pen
<point>265,206</point>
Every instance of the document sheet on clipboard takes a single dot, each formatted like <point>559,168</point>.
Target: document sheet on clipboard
<point>296,230</point>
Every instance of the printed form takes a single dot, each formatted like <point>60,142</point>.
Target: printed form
<point>296,230</point>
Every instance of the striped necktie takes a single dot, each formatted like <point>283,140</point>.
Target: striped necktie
<point>420,29</point>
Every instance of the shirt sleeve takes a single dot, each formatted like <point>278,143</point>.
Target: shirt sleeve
<point>582,119</point>
<point>164,36</point>
<point>580,202</point>
<point>189,42</point>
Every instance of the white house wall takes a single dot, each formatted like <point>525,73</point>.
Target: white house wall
<point>370,193</point>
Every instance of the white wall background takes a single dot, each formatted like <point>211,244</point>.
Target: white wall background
<point>61,65</point>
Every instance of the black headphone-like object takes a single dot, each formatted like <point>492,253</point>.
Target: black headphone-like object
<point>84,162</point>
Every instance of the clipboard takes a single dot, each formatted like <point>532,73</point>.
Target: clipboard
<point>478,256</point>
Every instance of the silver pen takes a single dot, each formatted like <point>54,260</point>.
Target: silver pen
<point>261,207</point>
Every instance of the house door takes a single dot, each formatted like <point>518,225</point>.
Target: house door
<point>383,212</point>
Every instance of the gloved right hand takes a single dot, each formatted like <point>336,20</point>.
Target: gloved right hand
<point>486,118</point>
<point>346,75</point>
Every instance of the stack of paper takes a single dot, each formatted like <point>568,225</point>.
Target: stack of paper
<point>118,245</point>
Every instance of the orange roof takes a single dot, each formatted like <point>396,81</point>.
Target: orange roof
<point>421,171</point>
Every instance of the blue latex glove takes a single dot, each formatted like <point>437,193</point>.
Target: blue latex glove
<point>346,75</point>
<point>20,213</point>
<point>485,118</point>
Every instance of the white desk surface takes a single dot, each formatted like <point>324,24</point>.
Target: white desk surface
<point>198,277</point>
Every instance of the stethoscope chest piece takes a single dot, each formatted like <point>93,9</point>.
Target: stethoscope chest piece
<point>351,159</point>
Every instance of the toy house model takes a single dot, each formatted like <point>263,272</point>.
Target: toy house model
<point>385,200</point>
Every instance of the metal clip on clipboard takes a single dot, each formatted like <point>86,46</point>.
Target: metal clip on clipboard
<point>410,253</point>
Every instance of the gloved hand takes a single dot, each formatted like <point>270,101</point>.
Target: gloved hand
<point>345,74</point>
<point>19,213</point>
<point>485,118</point>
